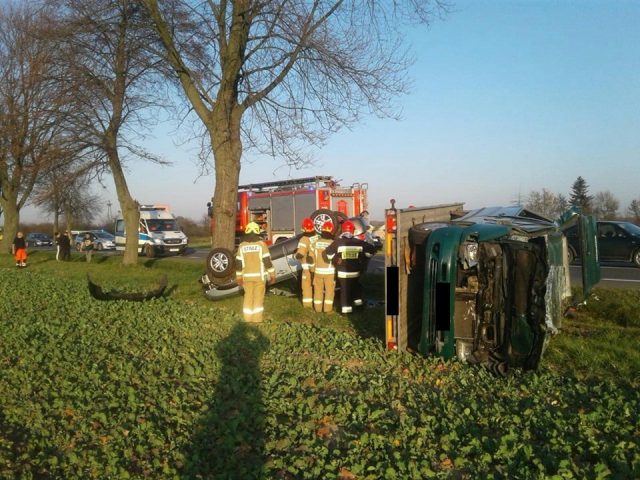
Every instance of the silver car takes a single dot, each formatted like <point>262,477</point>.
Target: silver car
<point>101,240</point>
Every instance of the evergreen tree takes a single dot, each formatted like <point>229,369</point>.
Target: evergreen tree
<point>580,195</point>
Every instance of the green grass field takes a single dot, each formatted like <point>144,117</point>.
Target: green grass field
<point>180,387</point>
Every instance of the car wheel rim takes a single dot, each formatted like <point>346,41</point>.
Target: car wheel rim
<point>219,262</point>
<point>320,220</point>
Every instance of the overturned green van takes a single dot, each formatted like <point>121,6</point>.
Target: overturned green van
<point>488,286</point>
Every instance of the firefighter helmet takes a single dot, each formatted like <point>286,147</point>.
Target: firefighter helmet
<point>307,225</point>
<point>348,227</point>
<point>252,227</point>
<point>327,227</point>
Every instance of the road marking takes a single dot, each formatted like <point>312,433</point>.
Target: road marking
<point>619,280</point>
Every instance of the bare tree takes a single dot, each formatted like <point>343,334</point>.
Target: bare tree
<point>65,192</point>
<point>605,205</point>
<point>105,47</point>
<point>546,203</point>
<point>278,75</point>
<point>32,107</point>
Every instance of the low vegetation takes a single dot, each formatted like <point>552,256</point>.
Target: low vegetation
<point>181,388</point>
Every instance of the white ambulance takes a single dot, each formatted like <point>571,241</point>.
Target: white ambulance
<point>158,232</point>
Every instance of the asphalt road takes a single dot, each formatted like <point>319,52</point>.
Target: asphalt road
<point>614,275</point>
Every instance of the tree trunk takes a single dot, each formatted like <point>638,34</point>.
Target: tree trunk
<point>11,219</point>
<point>128,206</point>
<point>56,221</point>
<point>224,130</point>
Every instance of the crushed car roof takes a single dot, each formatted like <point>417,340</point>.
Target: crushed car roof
<point>515,216</point>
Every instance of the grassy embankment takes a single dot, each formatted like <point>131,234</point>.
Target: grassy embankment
<point>180,388</point>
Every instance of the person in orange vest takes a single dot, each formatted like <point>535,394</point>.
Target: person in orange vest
<point>348,254</point>
<point>253,267</point>
<point>324,274</point>
<point>19,249</point>
<point>303,255</point>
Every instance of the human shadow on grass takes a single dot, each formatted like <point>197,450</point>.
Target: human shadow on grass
<point>229,440</point>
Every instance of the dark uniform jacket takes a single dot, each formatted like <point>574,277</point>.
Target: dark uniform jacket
<point>348,254</point>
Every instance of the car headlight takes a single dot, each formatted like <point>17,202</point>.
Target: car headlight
<point>157,241</point>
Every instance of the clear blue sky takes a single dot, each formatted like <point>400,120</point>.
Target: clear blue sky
<point>507,97</point>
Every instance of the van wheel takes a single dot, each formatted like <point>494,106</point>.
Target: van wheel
<point>571,256</point>
<point>220,263</point>
<point>149,251</point>
<point>322,215</point>
<point>99,246</point>
<point>636,258</point>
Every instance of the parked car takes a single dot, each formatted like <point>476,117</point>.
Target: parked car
<point>101,240</point>
<point>36,239</point>
<point>617,241</point>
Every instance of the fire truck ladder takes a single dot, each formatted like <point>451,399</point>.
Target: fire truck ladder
<point>293,183</point>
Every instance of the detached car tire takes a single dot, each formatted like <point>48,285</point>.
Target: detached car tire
<point>322,215</point>
<point>220,263</point>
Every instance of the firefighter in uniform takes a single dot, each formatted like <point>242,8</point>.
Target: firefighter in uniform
<point>303,255</point>
<point>324,281</point>
<point>253,266</point>
<point>348,253</point>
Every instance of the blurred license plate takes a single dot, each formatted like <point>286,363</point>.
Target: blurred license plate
<point>174,249</point>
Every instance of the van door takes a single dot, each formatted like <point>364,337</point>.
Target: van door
<point>589,252</point>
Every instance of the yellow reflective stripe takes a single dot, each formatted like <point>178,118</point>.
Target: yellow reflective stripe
<point>324,271</point>
<point>348,274</point>
<point>349,248</point>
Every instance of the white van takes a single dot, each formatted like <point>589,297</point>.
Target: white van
<point>159,232</point>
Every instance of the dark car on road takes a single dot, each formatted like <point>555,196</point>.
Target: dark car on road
<point>36,239</point>
<point>617,242</point>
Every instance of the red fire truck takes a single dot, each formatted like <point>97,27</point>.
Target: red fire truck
<point>279,207</point>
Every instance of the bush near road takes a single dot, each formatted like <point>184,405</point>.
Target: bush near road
<point>181,388</point>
